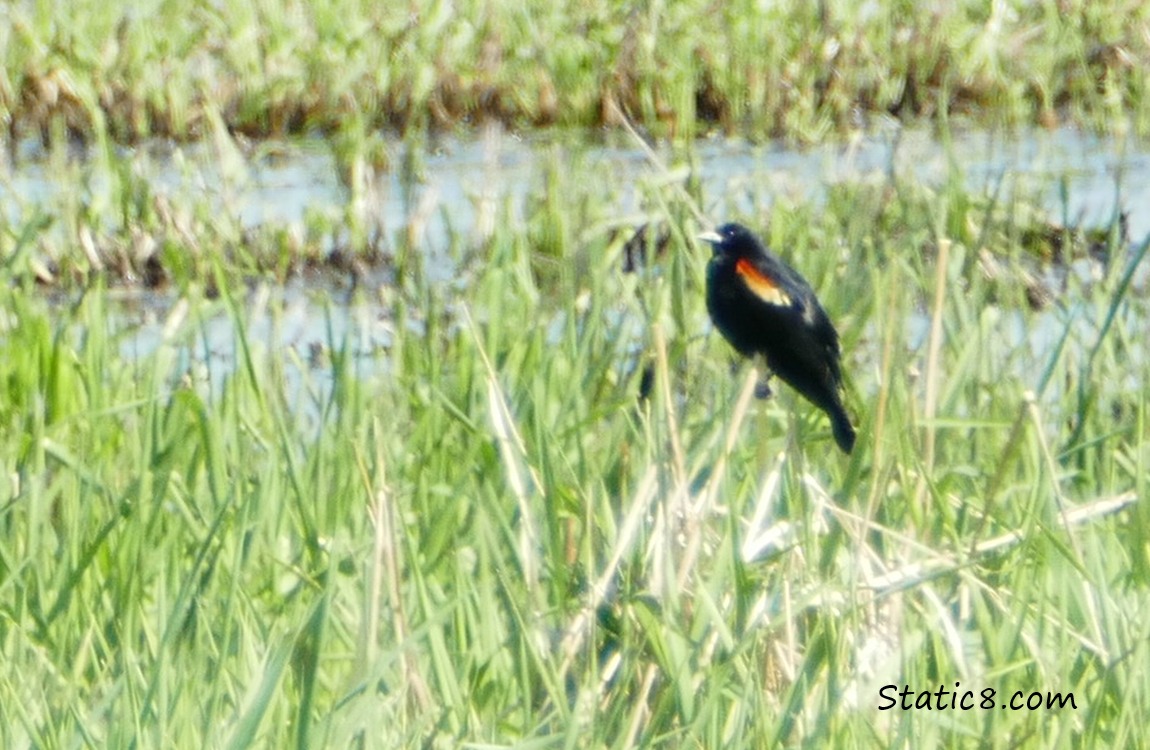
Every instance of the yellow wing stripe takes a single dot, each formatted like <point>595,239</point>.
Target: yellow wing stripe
<point>762,285</point>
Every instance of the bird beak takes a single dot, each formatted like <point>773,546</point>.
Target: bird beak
<point>711,236</point>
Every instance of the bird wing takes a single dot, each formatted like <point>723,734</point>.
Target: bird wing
<point>775,282</point>
<point>762,283</point>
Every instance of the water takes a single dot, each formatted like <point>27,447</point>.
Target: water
<point>1080,179</point>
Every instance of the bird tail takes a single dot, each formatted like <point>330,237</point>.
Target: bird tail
<point>841,427</point>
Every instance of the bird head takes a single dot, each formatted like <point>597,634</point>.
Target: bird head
<point>733,240</point>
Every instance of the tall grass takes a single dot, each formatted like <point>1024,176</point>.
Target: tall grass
<point>804,71</point>
<point>477,535</point>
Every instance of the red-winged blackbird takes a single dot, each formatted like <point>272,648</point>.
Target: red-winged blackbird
<point>763,307</point>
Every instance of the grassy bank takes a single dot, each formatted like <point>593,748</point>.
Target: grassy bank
<point>479,536</point>
<point>803,71</point>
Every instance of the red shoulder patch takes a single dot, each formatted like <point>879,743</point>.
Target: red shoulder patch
<point>763,286</point>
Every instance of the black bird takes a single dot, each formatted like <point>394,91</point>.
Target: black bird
<point>763,307</point>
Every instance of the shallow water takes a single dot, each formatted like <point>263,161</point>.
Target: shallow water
<point>1080,179</point>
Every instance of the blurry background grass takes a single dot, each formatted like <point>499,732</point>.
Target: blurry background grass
<point>478,534</point>
<point>799,70</point>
